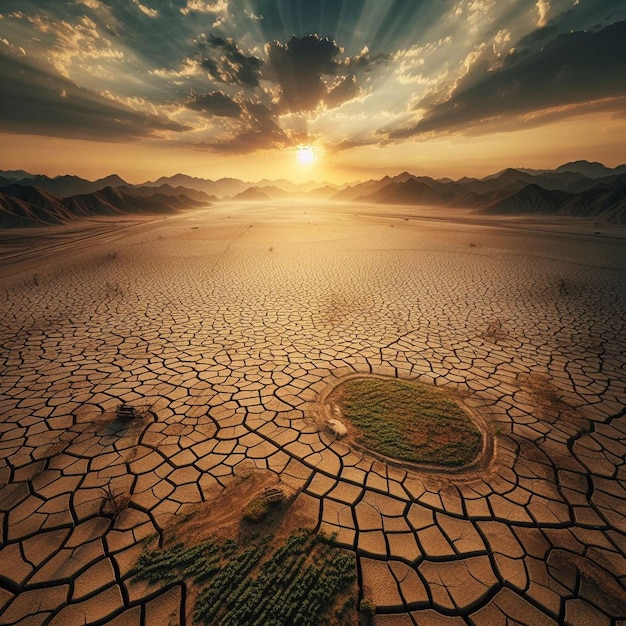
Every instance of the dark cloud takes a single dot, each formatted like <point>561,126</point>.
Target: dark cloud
<point>231,65</point>
<point>572,68</point>
<point>302,66</point>
<point>35,100</point>
<point>307,70</point>
<point>299,66</point>
<point>345,90</point>
<point>263,132</point>
<point>214,103</point>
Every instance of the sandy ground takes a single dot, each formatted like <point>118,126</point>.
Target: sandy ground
<point>227,324</point>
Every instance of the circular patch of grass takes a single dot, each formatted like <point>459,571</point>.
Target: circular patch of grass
<point>409,422</point>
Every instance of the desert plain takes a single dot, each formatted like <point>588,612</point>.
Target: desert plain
<point>225,326</point>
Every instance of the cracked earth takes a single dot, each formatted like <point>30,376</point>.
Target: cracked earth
<point>224,327</point>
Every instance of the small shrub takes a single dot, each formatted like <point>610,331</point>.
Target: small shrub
<point>113,502</point>
<point>256,510</point>
<point>367,607</point>
<point>495,330</point>
<point>327,539</point>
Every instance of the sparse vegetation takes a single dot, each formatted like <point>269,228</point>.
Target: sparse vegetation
<point>113,502</point>
<point>410,422</point>
<point>495,331</point>
<point>256,510</point>
<point>299,582</point>
<point>367,607</point>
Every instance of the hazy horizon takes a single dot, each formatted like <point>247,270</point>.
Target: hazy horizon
<point>310,181</point>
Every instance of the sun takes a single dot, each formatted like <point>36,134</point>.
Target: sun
<point>305,155</point>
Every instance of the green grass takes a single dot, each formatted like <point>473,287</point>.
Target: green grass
<point>296,582</point>
<point>410,422</point>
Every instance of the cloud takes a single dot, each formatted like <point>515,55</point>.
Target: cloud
<point>231,65</point>
<point>204,6</point>
<point>262,132</point>
<point>573,68</point>
<point>299,66</point>
<point>543,6</point>
<point>346,89</point>
<point>15,49</point>
<point>215,103</point>
<point>146,10</point>
<point>297,76</point>
<point>306,68</point>
<point>476,12</point>
<point>35,100</point>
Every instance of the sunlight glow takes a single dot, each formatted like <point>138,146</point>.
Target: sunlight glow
<point>305,155</point>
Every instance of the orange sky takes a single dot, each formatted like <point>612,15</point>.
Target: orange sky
<point>594,138</point>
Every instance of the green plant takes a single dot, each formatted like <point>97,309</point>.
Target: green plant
<point>367,607</point>
<point>328,539</point>
<point>294,583</point>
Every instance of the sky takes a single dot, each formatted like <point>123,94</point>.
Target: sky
<point>233,88</point>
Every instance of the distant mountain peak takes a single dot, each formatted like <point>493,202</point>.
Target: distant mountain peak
<point>591,169</point>
<point>510,173</point>
<point>112,180</point>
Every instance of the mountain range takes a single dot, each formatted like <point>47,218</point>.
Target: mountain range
<point>579,188</point>
<point>27,205</point>
<point>600,193</point>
